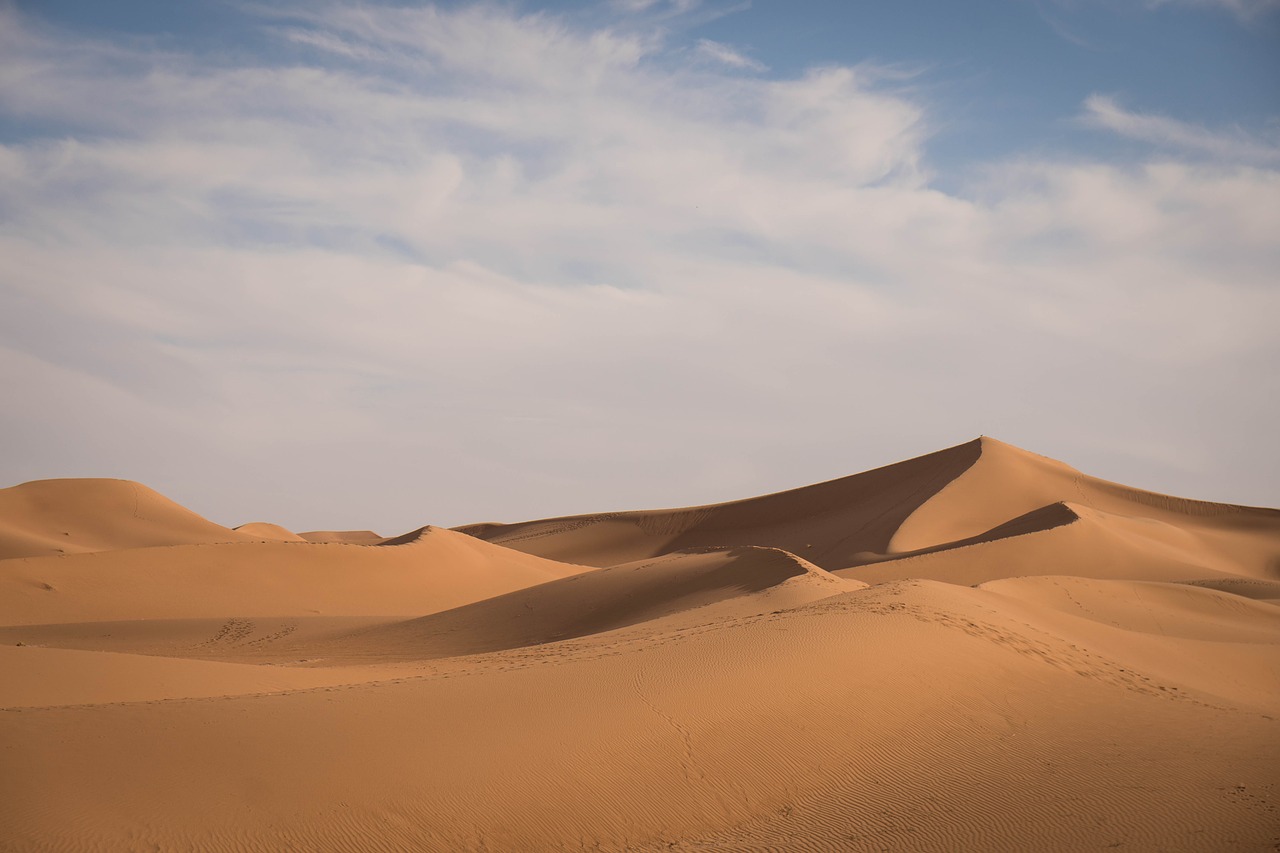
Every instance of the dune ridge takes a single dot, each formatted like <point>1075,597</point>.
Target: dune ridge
<point>72,516</point>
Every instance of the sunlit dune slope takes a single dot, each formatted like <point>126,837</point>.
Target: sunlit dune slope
<point>1065,538</point>
<point>78,515</point>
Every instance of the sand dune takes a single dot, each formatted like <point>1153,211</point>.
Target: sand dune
<point>343,537</point>
<point>978,649</point>
<point>956,496</point>
<point>436,572</point>
<point>743,581</point>
<point>266,530</point>
<point>826,524</point>
<point>74,516</point>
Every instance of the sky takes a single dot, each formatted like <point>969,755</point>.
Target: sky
<point>384,264</point>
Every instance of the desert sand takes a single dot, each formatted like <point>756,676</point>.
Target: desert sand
<point>976,649</point>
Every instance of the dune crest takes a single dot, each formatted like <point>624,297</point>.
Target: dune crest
<point>73,516</point>
<point>1005,481</point>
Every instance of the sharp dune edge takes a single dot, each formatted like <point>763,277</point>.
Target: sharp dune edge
<point>976,649</point>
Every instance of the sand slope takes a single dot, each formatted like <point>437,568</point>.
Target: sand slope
<point>434,572</point>
<point>978,649</point>
<point>741,581</point>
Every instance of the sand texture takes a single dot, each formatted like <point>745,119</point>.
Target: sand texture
<point>977,649</point>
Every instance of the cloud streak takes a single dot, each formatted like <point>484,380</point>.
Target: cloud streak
<point>1104,112</point>
<point>726,55</point>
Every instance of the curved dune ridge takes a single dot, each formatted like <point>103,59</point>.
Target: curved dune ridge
<point>980,648</point>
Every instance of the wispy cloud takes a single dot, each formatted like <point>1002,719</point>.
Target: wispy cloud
<point>667,7</point>
<point>517,261</point>
<point>726,55</point>
<point>1231,146</point>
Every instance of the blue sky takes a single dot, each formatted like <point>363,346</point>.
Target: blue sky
<point>372,264</point>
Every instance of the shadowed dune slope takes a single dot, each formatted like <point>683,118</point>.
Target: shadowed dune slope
<point>826,524</point>
<point>981,491</point>
<point>748,580</point>
<point>437,571</point>
<point>72,516</point>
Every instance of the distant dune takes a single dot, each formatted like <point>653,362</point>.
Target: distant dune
<point>75,516</point>
<point>266,530</point>
<point>977,649</point>
<point>345,537</point>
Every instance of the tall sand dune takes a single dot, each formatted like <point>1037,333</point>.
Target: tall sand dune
<point>976,492</point>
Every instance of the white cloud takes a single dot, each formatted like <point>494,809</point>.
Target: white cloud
<point>1166,132</point>
<point>493,265</point>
